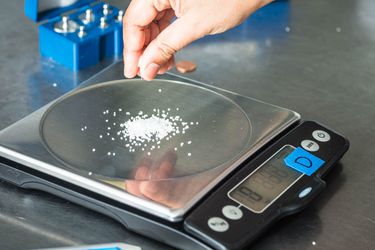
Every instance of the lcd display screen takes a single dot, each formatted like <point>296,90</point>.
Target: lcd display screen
<point>265,184</point>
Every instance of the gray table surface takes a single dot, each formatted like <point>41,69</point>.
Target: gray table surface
<point>314,57</point>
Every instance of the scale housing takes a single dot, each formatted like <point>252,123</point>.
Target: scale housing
<point>26,161</point>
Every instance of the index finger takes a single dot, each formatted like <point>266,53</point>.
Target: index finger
<point>138,16</point>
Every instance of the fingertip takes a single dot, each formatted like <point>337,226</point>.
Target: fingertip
<point>131,64</point>
<point>150,71</point>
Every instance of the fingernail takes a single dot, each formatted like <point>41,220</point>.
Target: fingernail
<point>151,71</point>
<point>128,73</point>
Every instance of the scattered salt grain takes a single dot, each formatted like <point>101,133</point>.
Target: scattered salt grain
<point>93,150</point>
<point>287,29</point>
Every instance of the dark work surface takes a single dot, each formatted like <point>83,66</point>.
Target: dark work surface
<point>314,57</point>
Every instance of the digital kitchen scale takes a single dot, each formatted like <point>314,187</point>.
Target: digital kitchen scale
<point>185,163</point>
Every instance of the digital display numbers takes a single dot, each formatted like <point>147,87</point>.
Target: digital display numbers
<point>265,184</point>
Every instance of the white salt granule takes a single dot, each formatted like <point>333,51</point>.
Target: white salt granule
<point>313,243</point>
<point>189,154</point>
<point>159,90</point>
<point>54,84</point>
<point>189,142</point>
<point>93,150</point>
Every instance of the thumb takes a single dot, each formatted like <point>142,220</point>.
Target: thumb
<point>177,35</point>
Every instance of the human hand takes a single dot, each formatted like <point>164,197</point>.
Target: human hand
<point>151,40</point>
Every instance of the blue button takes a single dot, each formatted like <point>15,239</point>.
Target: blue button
<point>303,161</point>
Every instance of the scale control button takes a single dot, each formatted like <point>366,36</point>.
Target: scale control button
<point>303,161</point>
<point>310,145</point>
<point>321,136</point>
<point>232,212</point>
<point>304,192</point>
<point>218,224</point>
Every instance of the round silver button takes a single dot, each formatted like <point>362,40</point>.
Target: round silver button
<point>218,224</point>
<point>321,135</point>
<point>232,212</point>
<point>310,145</point>
<point>304,192</point>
